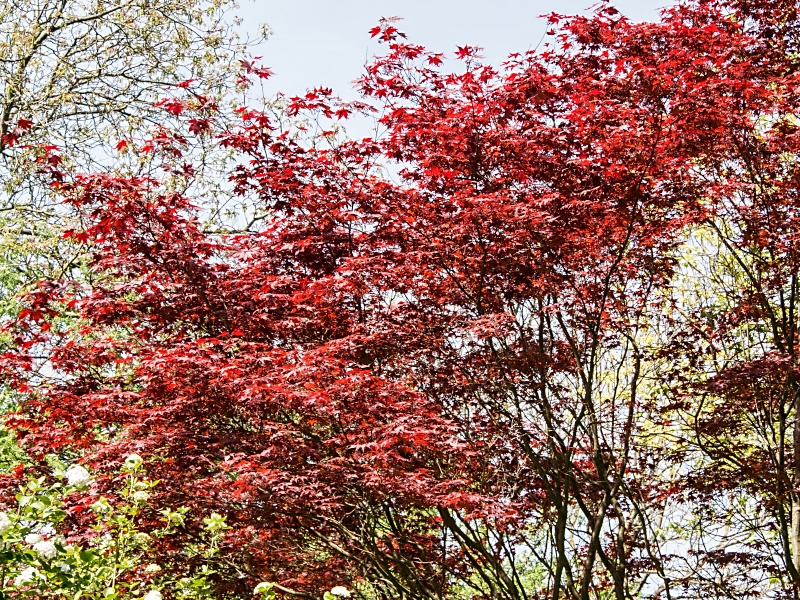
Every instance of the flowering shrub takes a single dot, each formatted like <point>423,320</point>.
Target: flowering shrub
<point>37,561</point>
<point>266,591</point>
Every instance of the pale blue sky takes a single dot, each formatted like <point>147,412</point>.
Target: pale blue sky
<point>326,43</point>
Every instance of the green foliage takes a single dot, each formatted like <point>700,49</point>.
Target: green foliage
<point>116,560</point>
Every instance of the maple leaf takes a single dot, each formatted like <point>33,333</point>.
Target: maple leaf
<point>254,68</point>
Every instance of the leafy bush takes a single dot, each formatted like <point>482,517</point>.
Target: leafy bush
<point>115,563</point>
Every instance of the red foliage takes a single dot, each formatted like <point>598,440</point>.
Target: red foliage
<point>384,365</point>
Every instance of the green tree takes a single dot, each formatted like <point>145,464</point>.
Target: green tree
<point>82,75</point>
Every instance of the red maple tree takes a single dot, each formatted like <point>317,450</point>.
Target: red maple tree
<point>463,381</point>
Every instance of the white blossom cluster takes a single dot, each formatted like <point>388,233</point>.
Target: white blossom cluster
<point>27,576</point>
<point>5,523</point>
<point>78,476</point>
<point>46,549</point>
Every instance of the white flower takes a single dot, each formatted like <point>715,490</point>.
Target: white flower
<point>26,576</point>
<point>5,523</point>
<point>340,591</point>
<point>65,568</point>
<point>133,462</point>
<point>262,588</point>
<point>140,496</point>
<point>141,538</point>
<point>101,506</point>
<point>78,476</point>
<point>152,568</point>
<point>46,548</point>
<point>33,538</point>
<point>153,595</point>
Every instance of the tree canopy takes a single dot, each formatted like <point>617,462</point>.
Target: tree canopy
<point>536,340</point>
